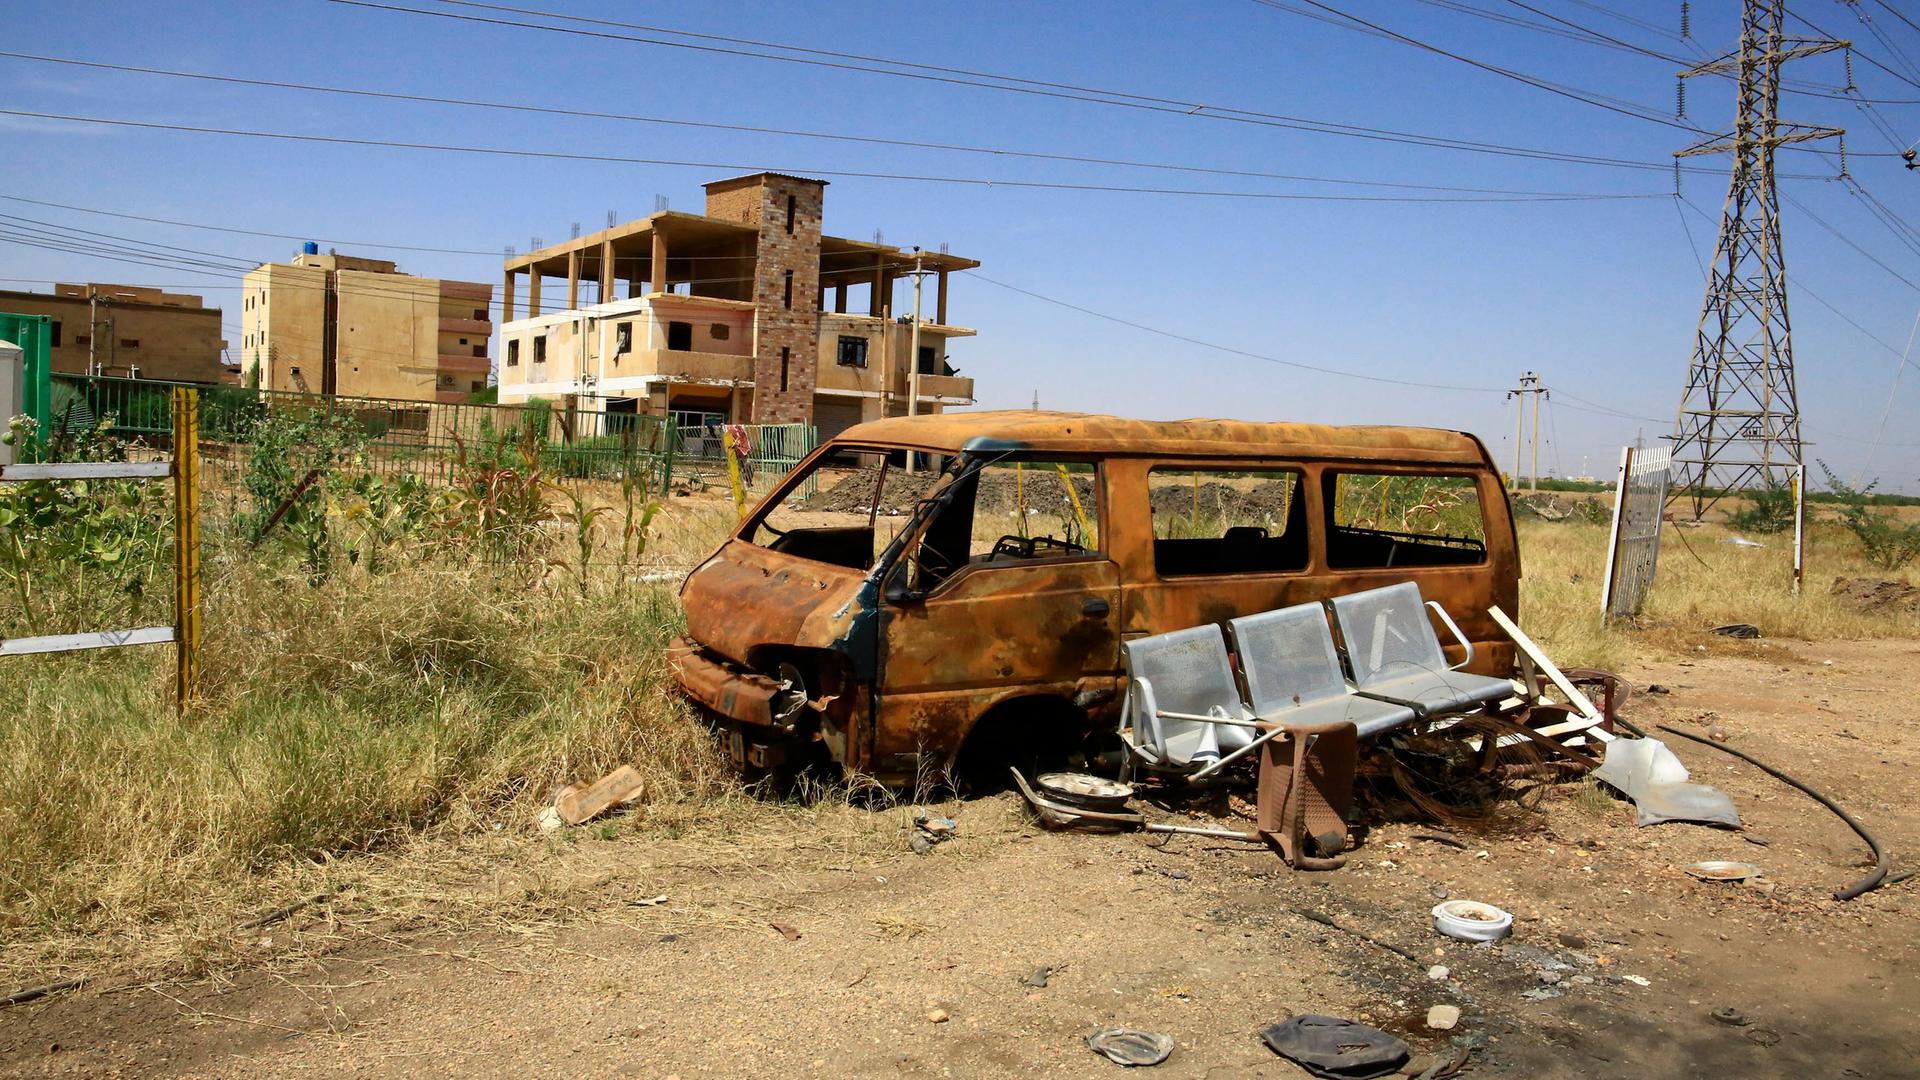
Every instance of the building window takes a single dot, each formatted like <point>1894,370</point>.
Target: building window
<point>788,297</point>
<point>622,339</point>
<point>720,331</point>
<point>129,343</point>
<point>680,336</point>
<point>480,351</point>
<point>785,354</point>
<point>513,354</point>
<point>56,333</point>
<point>929,361</point>
<point>463,341</point>
<point>83,339</point>
<point>791,201</point>
<point>852,352</point>
<point>479,314</point>
<point>540,349</point>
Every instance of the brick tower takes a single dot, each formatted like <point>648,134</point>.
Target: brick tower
<point>786,287</point>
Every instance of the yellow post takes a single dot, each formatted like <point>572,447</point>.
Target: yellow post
<point>186,545</point>
<point>1073,497</point>
<point>733,472</point>
<point>1020,495</point>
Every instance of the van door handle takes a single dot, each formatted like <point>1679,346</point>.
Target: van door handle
<point>1094,609</point>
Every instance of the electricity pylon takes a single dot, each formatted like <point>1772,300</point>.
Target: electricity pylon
<point>1739,421</point>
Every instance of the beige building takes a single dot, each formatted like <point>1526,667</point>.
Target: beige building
<point>741,314</point>
<point>129,331</point>
<point>336,324</point>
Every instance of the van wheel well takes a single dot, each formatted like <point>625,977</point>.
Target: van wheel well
<point>1028,733</point>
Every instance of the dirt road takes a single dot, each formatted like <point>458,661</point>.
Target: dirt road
<point>897,965</point>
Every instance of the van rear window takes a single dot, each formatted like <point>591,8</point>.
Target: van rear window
<point>1226,521</point>
<point>1403,519</point>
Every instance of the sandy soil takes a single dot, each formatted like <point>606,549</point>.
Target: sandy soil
<point>1201,939</point>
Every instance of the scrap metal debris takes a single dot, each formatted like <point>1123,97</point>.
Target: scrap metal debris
<point>1648,773</point>
<point>929,830</point>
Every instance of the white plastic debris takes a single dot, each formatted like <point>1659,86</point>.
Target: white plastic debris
<point>1645,771</point>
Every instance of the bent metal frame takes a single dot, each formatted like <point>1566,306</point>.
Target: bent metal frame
<point>184,469</point>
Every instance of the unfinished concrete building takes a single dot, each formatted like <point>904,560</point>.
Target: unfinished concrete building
<point>336,324</point>
<point>129,332</point>
<point>737,315</point>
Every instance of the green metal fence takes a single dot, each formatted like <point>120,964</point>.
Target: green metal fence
<point>772,451</point>
<point>427,438</point>
<point>430,438</point>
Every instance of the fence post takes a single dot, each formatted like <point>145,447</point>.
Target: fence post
<point>186,545</point>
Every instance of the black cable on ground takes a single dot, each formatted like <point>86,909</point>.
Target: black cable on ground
<point>1866,884</point>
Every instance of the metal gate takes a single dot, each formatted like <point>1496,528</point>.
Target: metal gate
<point>1633,549</point>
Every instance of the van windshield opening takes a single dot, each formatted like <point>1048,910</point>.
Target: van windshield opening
<point>847,507</point>
<point>1009,510</point>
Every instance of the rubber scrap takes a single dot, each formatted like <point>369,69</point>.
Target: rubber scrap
<point>1125,1046</point>
<point>1337,1049</point>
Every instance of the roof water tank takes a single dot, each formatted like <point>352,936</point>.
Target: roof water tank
<point>310,248</point>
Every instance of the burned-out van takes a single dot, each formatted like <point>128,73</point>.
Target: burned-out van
<point>923,588</point>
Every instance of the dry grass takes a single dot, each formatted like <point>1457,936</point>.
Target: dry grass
<point>379,746</point>
<point>1703,582</point>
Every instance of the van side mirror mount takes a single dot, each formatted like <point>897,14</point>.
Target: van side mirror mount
<point>898,592</point>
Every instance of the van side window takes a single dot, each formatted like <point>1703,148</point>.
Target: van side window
<point>1403,519</point>
<point>1227,521</point>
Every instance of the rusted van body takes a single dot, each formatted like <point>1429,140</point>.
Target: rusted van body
<point>886,653</point>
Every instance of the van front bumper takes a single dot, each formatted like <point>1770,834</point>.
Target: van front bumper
<point>733,692</point>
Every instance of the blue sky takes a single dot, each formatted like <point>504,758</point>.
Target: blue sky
<point>1601,297</point>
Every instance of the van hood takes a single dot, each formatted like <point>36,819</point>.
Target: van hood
<point>746,597</point>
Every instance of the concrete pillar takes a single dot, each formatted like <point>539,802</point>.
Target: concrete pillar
<point>659,260</point>
<point>533,291</point>
<point>506,299</point>
<point>940,305</point>
<point>573,279</point>
<point>606,271</point>
<point>840,297</point>
<point>879,300</point>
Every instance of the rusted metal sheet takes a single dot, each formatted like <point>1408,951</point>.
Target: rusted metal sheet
<point>1086,433</point>
<point>735,694</point>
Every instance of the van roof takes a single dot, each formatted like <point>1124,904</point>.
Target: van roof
<point>1091,433</point>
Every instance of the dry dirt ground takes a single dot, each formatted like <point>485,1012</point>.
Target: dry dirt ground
<point>1617,959</point>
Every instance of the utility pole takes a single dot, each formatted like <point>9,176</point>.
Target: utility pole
<point>913,348</point>
<point>1529,384</point>
<point>93,331</point>
<point>1739,418</point>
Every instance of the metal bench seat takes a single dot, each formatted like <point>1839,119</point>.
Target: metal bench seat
<point>1294,677</point>
<point>1396,656</point>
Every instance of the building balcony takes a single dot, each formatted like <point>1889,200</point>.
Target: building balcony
<point>482,327</point>
<point>461,362</point>
<point>946,387</point>
<point>684,366</point>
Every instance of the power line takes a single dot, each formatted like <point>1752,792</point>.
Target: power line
<point>1006,83</point>
<point>1638,112</point>
<point>245,232</point>
<point>1230,349</point>
<point>991,151</point>
<point>960,181</point>
<point>1847,240</point>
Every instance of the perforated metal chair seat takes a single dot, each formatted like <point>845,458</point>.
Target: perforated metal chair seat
<point>1369,717</point>
<point>1395,654</point>
<point>1294,677</point>
<point>1438,692</point>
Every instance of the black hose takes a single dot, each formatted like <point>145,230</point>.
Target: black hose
<point>1867,884</point>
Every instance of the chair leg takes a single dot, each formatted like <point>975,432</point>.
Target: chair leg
<point>1306,789</point>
